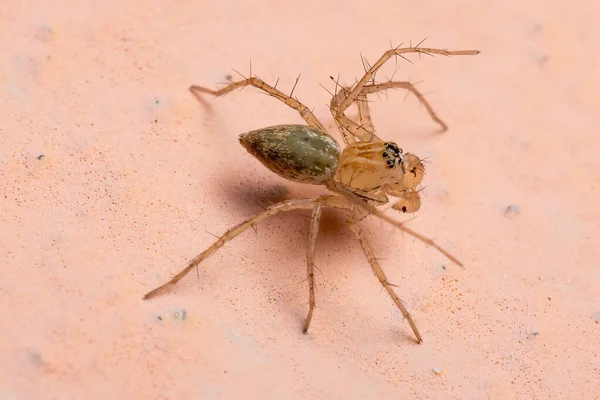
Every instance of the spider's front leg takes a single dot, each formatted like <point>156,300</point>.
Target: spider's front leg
<point>382,278</point>
<point>357,200</point>
<point>304,111</point>
<point>365,131</point>
<point>369,74</point>
<point>359,91</point>
<point>350,130</point>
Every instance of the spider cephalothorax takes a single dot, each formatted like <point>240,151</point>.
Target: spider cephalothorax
<point>363,175</point>
<point>376,170</point>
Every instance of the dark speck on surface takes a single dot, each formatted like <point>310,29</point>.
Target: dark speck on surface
<point>512,211</point>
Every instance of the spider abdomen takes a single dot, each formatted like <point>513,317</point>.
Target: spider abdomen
<point>295,152</point>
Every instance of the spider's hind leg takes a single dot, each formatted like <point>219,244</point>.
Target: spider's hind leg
<point>287,205</point>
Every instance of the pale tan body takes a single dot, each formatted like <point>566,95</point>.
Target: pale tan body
<point>361,179</point>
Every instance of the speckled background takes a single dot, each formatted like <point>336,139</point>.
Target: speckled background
<point>112,176</point>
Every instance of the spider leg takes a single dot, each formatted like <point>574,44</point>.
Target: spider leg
<point>351,131</point>
<point>378,87</point>
<point>304,111</point>
<point>381,276</point>
<point>286,205</point>
<point>310,262</point>
<point>358,93</point>
<point>365,131</point>
<point>340,189</point>
<point>368,76</point>
<point>364,113</point>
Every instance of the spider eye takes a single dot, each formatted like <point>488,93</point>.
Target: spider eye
<point>385,154</point>
<point>393,147</point>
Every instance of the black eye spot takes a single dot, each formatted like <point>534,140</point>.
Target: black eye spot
<point>391,163</point>
<point>393,147</point>
<point>384,154</point>
<point>404,209</point>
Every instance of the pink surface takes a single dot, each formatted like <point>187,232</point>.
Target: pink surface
<point>136,177</point>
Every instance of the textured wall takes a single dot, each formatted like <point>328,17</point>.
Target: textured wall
<point>112,176</point>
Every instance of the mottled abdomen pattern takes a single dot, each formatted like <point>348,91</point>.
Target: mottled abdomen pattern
<point>295,152</point>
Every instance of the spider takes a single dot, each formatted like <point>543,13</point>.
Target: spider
<point>362,176</point>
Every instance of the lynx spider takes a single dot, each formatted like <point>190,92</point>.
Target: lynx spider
<point>366,172</point>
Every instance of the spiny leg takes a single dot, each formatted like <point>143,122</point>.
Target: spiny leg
<point>378,87</point>
<point>358,87</point>
<point>381,276</point>
<point>358,201</point>
<point>287,205</point>
<point>304,111</point>
<point>364,113</point>
<point>343,126</point>
<point>310,262</point>
<point>365,132</point>
<point>351,131</point>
